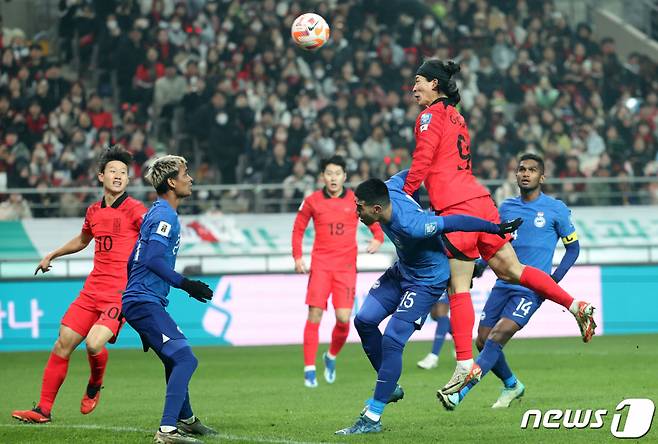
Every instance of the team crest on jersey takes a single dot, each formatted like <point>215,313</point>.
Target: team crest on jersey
<point>425,120</point>
<point>483,316</point>
<point>540,220</point>
<point>430,228</point>
<point>375,286</point>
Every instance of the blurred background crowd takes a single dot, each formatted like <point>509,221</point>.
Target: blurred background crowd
<point>220,82</point>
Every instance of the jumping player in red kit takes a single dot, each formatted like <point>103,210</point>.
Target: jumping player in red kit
<point>442,160</point>
<point>333,263</point>
<point>113,224</point>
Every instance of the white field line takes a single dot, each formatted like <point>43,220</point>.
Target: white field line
<point>120,429</point>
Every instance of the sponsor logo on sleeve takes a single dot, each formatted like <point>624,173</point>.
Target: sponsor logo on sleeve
<point>425,120</point>
<point>164,229</point>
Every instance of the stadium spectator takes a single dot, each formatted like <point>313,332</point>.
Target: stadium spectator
<point>529,78</point>
<point>15,208</point>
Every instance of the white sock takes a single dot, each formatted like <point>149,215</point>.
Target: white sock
<point>433,355</point>
<point>573,308</point>
<point>330,356</point>
<point>189,420</point>
<point>167,429</point>
<point>374,416</point>
<point>465,364</point>
<point>308,368</point>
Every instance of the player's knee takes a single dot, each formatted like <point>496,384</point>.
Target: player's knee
<point>392,342</point>
<point>499,336</point>
<point>64,347</point>
<point>185,356</point>
<point>94,345</point>
<point>343,318</point>
<point>315,315</point>
<point>397,334</point>
<point>361,325</point>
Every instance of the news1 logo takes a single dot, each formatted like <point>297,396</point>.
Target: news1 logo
<point>638,413</point>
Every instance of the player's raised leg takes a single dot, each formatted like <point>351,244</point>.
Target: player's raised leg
<point>53,377</point>
<point>440,315</point>
<point>507,267</point>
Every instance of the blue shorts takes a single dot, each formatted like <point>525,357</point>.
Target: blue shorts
<point>444,299</point>
<point>510,303</point>
<point>153,324</point>
<point>404,299</point>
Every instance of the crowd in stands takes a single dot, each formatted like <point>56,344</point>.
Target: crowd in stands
<point>221,82</point>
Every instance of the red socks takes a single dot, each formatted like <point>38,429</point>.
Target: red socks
<point>97,364</point>
<point>53,377</point>
<point>541,283</point>
<point>462,319</point>
<point>311,340</point>
<point>338,337</point>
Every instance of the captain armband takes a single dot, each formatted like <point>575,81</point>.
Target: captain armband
<point>573,237</point>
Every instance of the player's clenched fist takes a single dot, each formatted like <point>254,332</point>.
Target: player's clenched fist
<point>197,290</point>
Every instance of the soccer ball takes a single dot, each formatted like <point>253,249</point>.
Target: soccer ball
<point>309,31</point>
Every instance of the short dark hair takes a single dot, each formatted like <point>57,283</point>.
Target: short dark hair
<point>334,160</point>
<point>117,153</point>
<point>536,158</point>
<point>373,192</point>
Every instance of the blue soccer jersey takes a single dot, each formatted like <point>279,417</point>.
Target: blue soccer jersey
<point>160,225</point>
<point>416,235</point>
<point>545,220</point>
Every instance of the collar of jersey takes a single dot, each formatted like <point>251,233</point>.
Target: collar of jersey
<point>328,196</point>
<point>541,194</point>
<point>443,100</point>
<point>163,202</point>
<point>116,203</point>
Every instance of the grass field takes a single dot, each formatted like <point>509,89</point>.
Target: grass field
<point>256,394</point>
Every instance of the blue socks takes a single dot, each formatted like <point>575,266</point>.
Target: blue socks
<point>395,337</point>
<point>442,328</point>
<point>177,400</point>
<point>486,360</point>
<point>504,373</point>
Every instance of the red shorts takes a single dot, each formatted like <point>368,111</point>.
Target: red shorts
<point>87,311</point>
<point>340,284</point>
<point>470,246</point>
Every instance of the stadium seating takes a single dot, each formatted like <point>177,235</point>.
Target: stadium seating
<point>220,83</point>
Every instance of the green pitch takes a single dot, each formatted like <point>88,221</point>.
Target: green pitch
<point>256,394</point>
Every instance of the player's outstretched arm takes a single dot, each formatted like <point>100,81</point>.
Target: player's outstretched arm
<point>76,244</point>
<point>427,225</point>
<point>154,253</point>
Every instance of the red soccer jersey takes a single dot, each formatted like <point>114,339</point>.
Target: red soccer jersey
<point>335,221</point>
<point>442,158</point>
<point>115,230</point>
